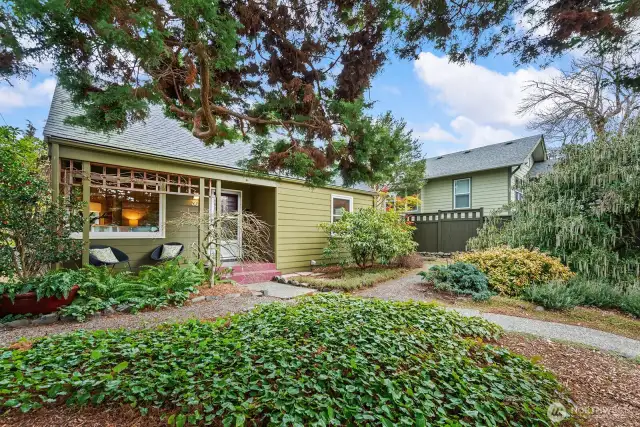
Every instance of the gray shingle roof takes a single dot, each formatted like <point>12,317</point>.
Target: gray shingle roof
<point>503,154</point>
<point>540,168</point>
<point>158,135</point>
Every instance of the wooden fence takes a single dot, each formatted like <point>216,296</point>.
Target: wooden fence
<point>446,231</point>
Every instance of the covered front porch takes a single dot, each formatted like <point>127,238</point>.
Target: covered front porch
<point>135,210</point>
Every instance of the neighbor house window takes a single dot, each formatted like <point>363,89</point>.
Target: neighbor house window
<point>340,205</point>
<point>124,213</point>
<point>462,193</point>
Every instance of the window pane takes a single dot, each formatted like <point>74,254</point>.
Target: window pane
<point>462,201</point>
<point>462,186</point>
<point>116,211</point>
<point>339,205</point>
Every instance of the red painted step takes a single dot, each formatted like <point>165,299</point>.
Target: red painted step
<point>254,276</point>
<point>253,272</point>
<point>253,266</point>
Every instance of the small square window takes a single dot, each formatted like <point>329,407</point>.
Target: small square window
<point>340,205</point>
<point>462,193</point>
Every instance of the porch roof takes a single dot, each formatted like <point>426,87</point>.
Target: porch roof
<point>158,135</point>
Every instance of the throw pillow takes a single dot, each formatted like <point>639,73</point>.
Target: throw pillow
<point>170,251</point>
<point>104,255</point>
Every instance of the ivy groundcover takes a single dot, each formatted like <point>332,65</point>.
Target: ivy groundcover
<point>326,360</point>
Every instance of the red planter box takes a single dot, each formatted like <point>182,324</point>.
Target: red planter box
<point>28,303</point>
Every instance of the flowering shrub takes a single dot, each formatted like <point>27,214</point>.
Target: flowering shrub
<point>510,270</point>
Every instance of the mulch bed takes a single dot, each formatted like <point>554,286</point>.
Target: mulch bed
<point>221,289</point>
<point>604,387</point>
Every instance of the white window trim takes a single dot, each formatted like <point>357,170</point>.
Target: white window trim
<point>340,197</point>
<point>461,194</point>
<point>212,211</point>
<point>111,235</point>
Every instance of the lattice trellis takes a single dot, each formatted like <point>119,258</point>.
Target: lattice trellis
<point>123,178</point>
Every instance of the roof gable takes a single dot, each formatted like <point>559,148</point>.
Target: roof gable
<point>158,135</point>
<point>494,156</point>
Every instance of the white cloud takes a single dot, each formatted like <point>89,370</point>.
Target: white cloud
<point>476,92</point>
<point>476,135</point>
<point>465,133</point>
<point>435,133</point>
<point>26,94</point>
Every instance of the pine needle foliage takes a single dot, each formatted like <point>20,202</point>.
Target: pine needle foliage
<point>585,211</point>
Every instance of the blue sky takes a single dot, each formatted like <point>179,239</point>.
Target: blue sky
<point>448,106</point>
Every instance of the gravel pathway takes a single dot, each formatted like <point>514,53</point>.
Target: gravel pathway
<point>202,310</point>
<point>409,287</point>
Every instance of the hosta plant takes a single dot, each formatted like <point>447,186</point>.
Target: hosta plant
<point>511,270</point>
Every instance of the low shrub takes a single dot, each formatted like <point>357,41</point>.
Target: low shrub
<point>597,293</point>
<point>460,278</point>
<point>584,292</point>
<point>155,286</point>
<point>552,295</point>
<point>410,261</point>
<point>327,360</point>
<point>511,270</point>
<point>57,283</point>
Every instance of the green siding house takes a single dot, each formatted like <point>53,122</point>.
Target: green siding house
<point>482,178</point>
<point>136,181</point>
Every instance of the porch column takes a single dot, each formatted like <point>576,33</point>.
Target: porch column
<point>55,171</point>
<point>201,191</point>
<point>218,224</point>
<point>86,196</point>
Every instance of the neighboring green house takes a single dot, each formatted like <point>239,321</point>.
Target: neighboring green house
<point>136,181</point>
<point>484,178</point>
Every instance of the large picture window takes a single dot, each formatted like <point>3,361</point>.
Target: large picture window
<point>340,205</point>
<point>462,193</point>
<point>124,213</point>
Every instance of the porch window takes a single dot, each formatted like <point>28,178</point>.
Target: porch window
<point>462,193</point>
<point>125,213</point>
<point>340,205</point>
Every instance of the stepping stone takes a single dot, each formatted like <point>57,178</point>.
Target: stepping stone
<point>279,290</point>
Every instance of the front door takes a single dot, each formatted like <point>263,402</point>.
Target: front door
<point>232,245</point>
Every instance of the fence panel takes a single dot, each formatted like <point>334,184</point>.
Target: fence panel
<point>446,231</point>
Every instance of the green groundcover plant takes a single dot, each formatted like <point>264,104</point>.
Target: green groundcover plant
<point>460,278</point>
<point>327,360</point>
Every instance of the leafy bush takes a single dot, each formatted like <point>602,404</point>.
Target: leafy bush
<point>35,229</point>
<point>156,286</point>
<point>327,360</point>
<point>511,270</point>
<point>585,210</point>
<point>460,278</point>
<point>369,236</point>
<point>53,284</point>
<point>552,295</point>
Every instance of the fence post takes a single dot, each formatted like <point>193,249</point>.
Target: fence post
<point>439,231</point>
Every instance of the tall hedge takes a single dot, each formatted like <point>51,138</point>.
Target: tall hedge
<point>585,211</point>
